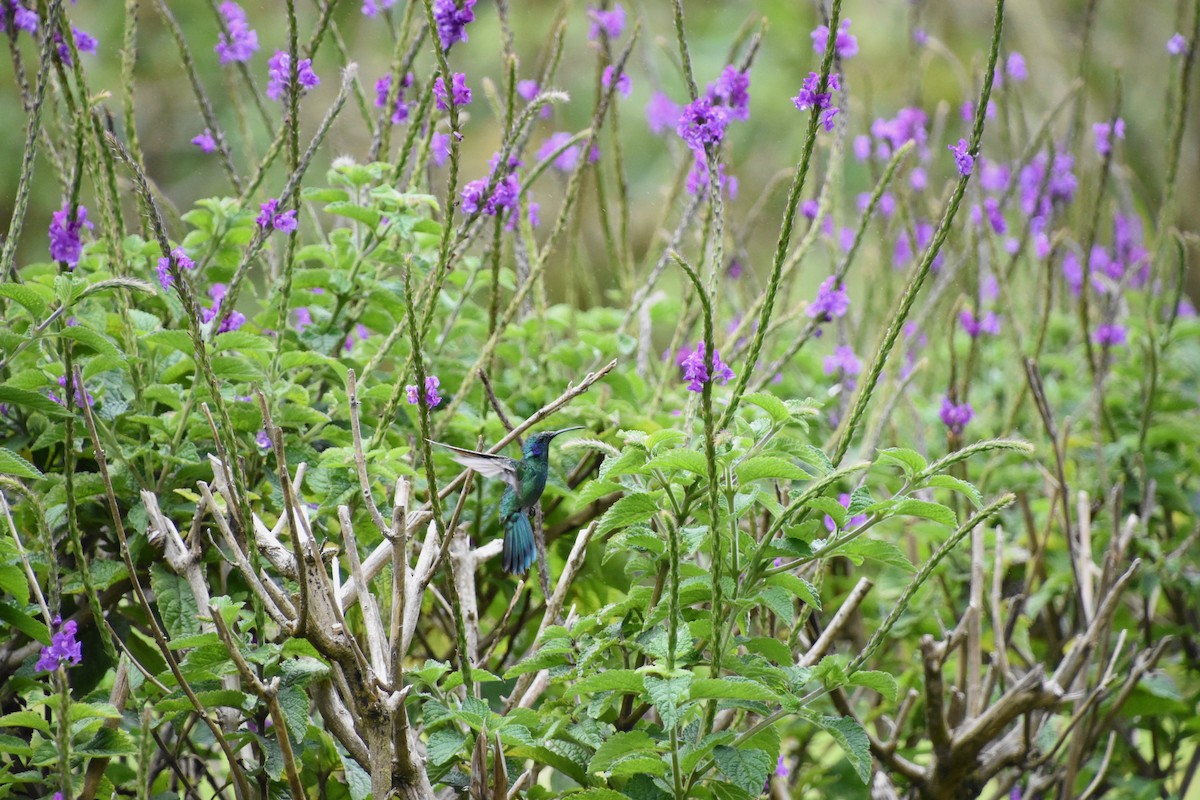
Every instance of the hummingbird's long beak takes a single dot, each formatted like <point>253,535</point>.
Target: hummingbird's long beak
<point>566,430</point>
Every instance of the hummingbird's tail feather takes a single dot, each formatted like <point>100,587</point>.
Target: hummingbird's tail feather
<point>519,554</point>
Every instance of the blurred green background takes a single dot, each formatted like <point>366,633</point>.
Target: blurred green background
<point>889,72</point>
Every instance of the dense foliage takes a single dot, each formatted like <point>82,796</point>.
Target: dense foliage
<point>899,500</point>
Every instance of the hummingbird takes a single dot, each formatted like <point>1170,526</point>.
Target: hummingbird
<point>526,479</point>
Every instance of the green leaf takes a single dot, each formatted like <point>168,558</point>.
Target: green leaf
<point>772,649</point>
<point>876,550</point>
<point>444,745</point>
<point>668,696</point>
<point>211,698</point>
<point>176,603</point>
<point>367,216</point>
<point>853,741</point>
<point>294,702</point>
<point>679,460</point>
<point>912,461</point>
<point>625,681</point>
<point>107,743</point>
<point>882,682</point>
<point>629,510</point>
<point>747,769</point>
<point>25,719</point>
<point>241,340</point>
<point>543,658</point>
<point>957,485</point>
<point>358,780</point>
<point>175,340</point>
<point>911,507</point>
<point>773,467</point>
<point>777,599</point>
<point>731,689</point>
<point>618,746</point>
<point>13,464</point>
<point>16,618</point>
<point>27,296</point>
<point>595,793</point>
<point>771,404</point>
<point>34,401</point>
<point>93,339</point>
<point>797,586</point>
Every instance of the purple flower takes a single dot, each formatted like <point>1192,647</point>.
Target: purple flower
<point>809,208</point>
<point>909,124</point>
<point>63,648</point>
<point>781,770</point>
<point>279,73</point>
<point>810,95</point>
<point>242,42</point>
<point>1109,335</point>
<point>995,218</point>
<point>989,323</point>
<point>845,45</point>
<point>702,123</point>
<point>662,113</point>
<point>862,147</point>
<point>269,218</point>
<point>853,522</point>
<point>732,90</point>
<point>165,278</point>
<point>695,370</point>
<point>432,398</point>
<point>956,416</point>
<point>235,320</point>
<point>993,177</point>
<point>84,43</point>
<point>1015,67</point>
<point>82,395</point>
<point>832,301</point>
<point>452,21</point>
<point>303,318</point>
<point>205,141</point>
<point>698,177</point>
<point>962,159</point>
<point>610,23</point>
<point>458,84</point>
<point>65,242</point>
<point>1177,45</point>
<point>567,159</point>
<point>844,363</point>
<point>624,85</point>
<point>262,440</point>
<point>528,90</point>
<point>1060,185</point>
<point>383,87</point>
<point>439,148</point>
<point>23,18</point>
<point>504,196</point>
<point>362,334</point>
<point>1105,132</point>
<point>372,8</point>
<point>920,36</point>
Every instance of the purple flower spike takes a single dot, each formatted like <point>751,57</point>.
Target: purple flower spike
<point>439,148</point>
<point>962,159</point>
<point>65,242</point>
<point>165,278</point>
<point>610,23</point>
<point>832,302</point>
<point>1105,132</point>
<point>242,41</point>
<point>956,416</point>
<point>845,45</point>
<point>695,368</point>
<point>270,218</point>
<point>989,323</point>
<point>373,8</point>
<point>1177,45</point>
<point>458,85</point>
<point>279,73</point>
<point>810,95</point>
<point>63,649</point>
<point>844,363</point>
<point>383,88</point>
<point>432,398</point>
<point>662,113</point>
<point>1015,67</point>
<point>205,141</point>
<point>702,123</point>
<point>732,90</point>
<point>452,20</point>
<point>624,85</point>
<point>1110,335</point>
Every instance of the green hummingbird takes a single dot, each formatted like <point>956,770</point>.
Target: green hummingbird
<point>526,479</point>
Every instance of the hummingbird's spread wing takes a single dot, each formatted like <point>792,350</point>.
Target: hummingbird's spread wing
<point>486,464</point>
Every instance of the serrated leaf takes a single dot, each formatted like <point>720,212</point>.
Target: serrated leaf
<point>957,485</point>
<point>175,602</point>
<point>772,467</point>
<point>668,696</point>
<point>107,743</point>
<point>629,510</point>
<point>747,769</point>
<point>853,741</point>
<point>679,461</point>
<point>33,401</point>
<point>27,296</point>
<point>911,507</point>
<point>731,689</point>
<point>769,403</point>
<point>780,602</point>
<point>13,464</point>
<point>617,746</point>
<point>882,682</point>
<point>797,586</point>
<point>625,681</point>
<point>25,719</point>
<point>444,745</point>
<point>912,461</point>
<point>876,550</point>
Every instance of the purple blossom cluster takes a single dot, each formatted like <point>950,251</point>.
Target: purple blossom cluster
<point>609,23</point>
<point>845,45</point>
<point>452,19</point>
<point>373,8</point>
<point>853,522</point>
<point>63,648</point>
<point>279,75</point>
<point>695,369</point>
<point>241,42</point>
<point>458,86</point>
<point>383,88</point>
<point>66,244</point>
<point>205,141</point>
<point>15,16</point>
<point>82,395</point>
<point>432,398</point>
<point>832,301</point>
<point>505,190</point>
<point>956,416</point>
<point>624,84</point>
<point>84,43</point>
<point>165,278</point>
<point>233,321</point>
<point>270,217</point>
<point>811,97</point>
